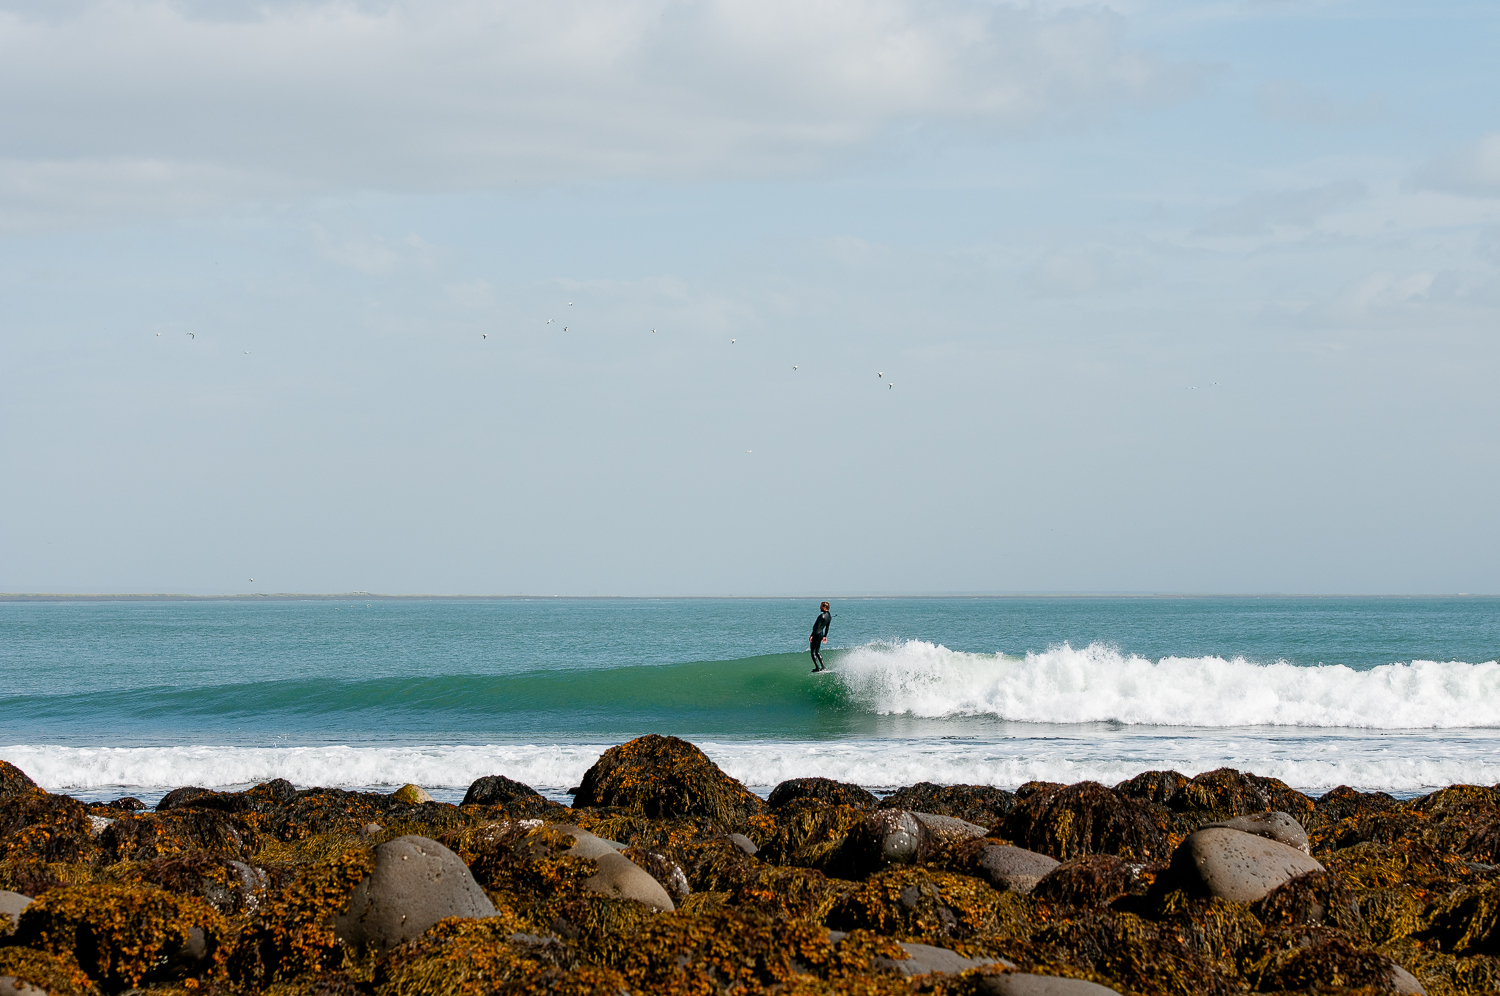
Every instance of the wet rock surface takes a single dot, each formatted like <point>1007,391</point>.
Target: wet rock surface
<point>668,877</point>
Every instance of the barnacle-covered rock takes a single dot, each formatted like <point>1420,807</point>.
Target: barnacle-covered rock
<point>823,791</point>
<point>124,935</point>
<point>1088,818</point>
<point>660,776</point>
<point>981,804</point>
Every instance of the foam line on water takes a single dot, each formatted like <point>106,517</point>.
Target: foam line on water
<point>1403,765</point>
<point>1098,683</point>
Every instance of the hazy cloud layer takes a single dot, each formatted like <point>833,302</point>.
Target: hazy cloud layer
<point>154,107</point>
<point>1473,171</point>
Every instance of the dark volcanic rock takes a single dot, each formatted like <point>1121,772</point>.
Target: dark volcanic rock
<point>664,777</point>
<point>981,804</point>
<point>822,790</point>
<point>497,790</point>
<point>1088,818</point>
<point>416,883</point>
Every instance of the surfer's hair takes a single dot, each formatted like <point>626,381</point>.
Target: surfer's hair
<point>823,606</point>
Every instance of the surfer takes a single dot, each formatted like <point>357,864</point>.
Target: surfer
<point>819,637</point>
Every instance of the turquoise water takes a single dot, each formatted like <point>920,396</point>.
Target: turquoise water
<point>1394,693</point>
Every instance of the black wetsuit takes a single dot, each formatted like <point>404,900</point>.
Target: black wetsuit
<point>820,630</point>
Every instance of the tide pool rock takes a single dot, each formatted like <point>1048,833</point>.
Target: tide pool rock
<point>1238,866</point>
<point>1280,827</point>
<point>11,905</point>
<point>1025,984</point>
<point>416,883</point>
<point>1014,868</point>
<point>413,795</point>
<point>618,876</point>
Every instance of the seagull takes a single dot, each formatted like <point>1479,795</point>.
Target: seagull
<point>549,321</point>
<point>888,384</point>
<point>653,332</point>
<point>252,579</point>
<point>794,366</point>
<point>570,304</point>
<point>731,342</point>
<point>247,352</point>
<point>565,328</point>
<point>191,336</point>
<point>158,335</point>
<point>879,374</point>
<point>748,451</point>
<point>484,335</point>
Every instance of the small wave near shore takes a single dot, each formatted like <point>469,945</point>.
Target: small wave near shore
<point>1098,683</point>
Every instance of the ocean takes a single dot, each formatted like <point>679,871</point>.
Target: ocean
<point>109,698</point>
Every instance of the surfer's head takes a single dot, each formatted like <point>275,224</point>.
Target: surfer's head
<point>824,606</point>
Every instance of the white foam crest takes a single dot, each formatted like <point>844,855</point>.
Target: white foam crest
<point>1404,764</point>
<point>1099,684</point>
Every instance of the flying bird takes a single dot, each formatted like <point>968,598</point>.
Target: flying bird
<point>191,336</point>
<point>653,332</point>
<point>889,384</point>
<point>484,335</point>
<point>252,579</point>
<point>879,374</point>
<point>158,335</point>
<point>731,342</point>
<point>549,321</point>
<point>570,304</point>
<point>794,366</point>
<point>565,328</point>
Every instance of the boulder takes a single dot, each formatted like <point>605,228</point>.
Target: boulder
<point>1023,984</point>
<point>924,959</point>
<point>1092,880</point>
<point>1014,868</point>
<point>1271,825</point>
<point>949,830</point>
<point>412,795</point>
<point>886,837</point>
<point>1225,792</point>
<point>1154,786</point>
<point>181,797</point>
<point>663,778</point>
<point>11,905</point>
<point>14,781</point>
<point>617,876</point>
<point>128,803</point>
<point>982,804</point>
<point>824,790</point>
<point>743,843</point>
<point>1235,865</point>
<point>416,883</point>
<point>497,790</point>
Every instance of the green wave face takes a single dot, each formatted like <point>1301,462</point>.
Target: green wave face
<point>769,695</point>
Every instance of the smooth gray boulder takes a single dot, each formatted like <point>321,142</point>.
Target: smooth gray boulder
<point>1236,865</point>
<point>617,876</point>
<point>1024,984</point>
<point>411,794</point>
<point>11,905</point>
<point>416,883</point>
<point>1014,868</point>
<point>1405,982</point>
<point>949,829</point>
<point>12,986</point>
<point>924,959</point>
<point>1275,826</point>
<point>743,843</point>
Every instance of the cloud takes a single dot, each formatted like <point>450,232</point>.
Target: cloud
<point>1289,101</point>
<point>1261,213</point>
<point>462,94</point>
<point>1472,172</point>
<point>1080,273</point>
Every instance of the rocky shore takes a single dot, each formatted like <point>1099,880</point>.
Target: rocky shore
<point>668,877</point>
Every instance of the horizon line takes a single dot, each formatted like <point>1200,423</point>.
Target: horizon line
<point>381,596</point>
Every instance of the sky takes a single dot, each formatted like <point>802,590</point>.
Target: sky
<point>691,297</point>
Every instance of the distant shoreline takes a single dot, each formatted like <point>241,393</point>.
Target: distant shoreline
<point>365,596</point>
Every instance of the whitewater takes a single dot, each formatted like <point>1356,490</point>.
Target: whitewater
<point>106,699</point>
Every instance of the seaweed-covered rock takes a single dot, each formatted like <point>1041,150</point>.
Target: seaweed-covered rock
<point>122,936</point>
<point>1318,958</point>
<point>40,972</point>
<point>312,812</point>
<point>412,795</point>
<point>665,777</point>
<point>950,830</point>
<point>257,799</point>
<point>126,803</point>
<point>39,826</point>
<point>1235,865</point>
<point>884,837</point>
<point>497,790</point>
<point>415,883</point>
<point>1225,792</point>
<point>1088,818</point>
<point>918,904</point>
<point>147,836</point>
<point>1140,955</point>
<point>14,781</point>
<point>229,886</point>
<point>483,958</point>
<point>981,804</point>
<point>1159,787</point>
<point>824,791</point>
<point>1316,898</point>
<point>808,833</point>
<point>1091,880</point>
<point>181,797</point>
